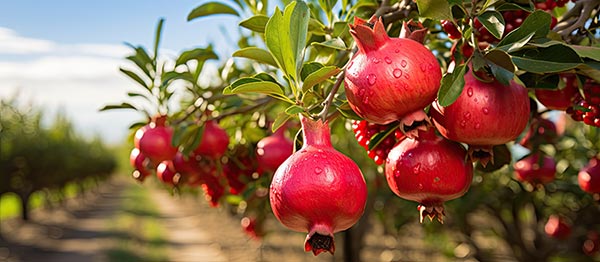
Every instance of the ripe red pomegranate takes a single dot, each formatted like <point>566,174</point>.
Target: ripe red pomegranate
<point>214,141</point>
<point>389,78</point>
<point>167,174</point>
<point>430,170</point>
<point>484,114</point>
<point>213,189</point>
<point>318,189</point>
<point>592,243</point>
<point>252,227</point>
<point>589,177</point>
<point>154,140</point>
<point>541,131</point>
<point>557,227</point>
<point>450,29</point>
<point>271,151</point>
<point>559,99</point>
<point>140,163</point>
<point>189,169</point>
<point>534,170</point>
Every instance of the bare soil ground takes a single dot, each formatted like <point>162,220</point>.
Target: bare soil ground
<point>80,231</point>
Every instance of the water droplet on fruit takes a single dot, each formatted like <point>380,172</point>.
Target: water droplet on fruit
<point>375,60</point>
<point>470,92</point>
<point>475,100</point>
<point>417,169</point>
<point>318,170</point>
<point>397,173</point>
<point>403,63</point>
<point>406,76</point>
<point>430,66</point>
<point>366,100</point>
<point>420,186</point>
<point>467,115</point>
<point>477,125</point>
<point>361,92</point>
<point>486,110</point>
<point>423,67</point>
<point>388,60</point>
<point>320,150</point>
<point>397,73</point>
<point>372,78</point>
<point>397,50</point>
<point>463,123</point>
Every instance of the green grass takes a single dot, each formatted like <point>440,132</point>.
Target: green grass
<point>141,236</point>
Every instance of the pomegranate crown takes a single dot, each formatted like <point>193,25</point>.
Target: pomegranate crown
<point>367,38</point>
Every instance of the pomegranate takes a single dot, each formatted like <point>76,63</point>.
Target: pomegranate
<point>318,189</point>
<point>591,245</point>
<point>167,174</point>
<point>541,131</point>
<point>451,29</point>
<point>430,170</point>
<point>140,163</point>
<point>589,177</point>
<point>389,78</point>
<point>534,170</point>
<point>213,189</point>
<point>273,150</point>
<point>154,140</point>
<point>188,168</point>
<point>214,141</point>
<point>559,99</point>
<point>485,114</point>
<point>232,174</point>
<point>252,227</point>
<point>557,227</point>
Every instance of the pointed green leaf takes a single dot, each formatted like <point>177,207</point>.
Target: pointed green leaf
<point>591,52</point>
<point>121,106</point>
<point>493,22</point>
<point>277,43</point>
<point>309,68</point>
<point>537,22</point>
<point>256,54</point>
<point>211,8</point>
<point>335,43</point>
<point>452,86</point>
<point>258,86</point>
<point>199,54</point>
<point>280,120</point>
<point>256,23</point>
<point>298,18</point>
<point>547,60</point>
<point>319,76</point>
<point>502,66</point>
<point>294,109</point>
<point>134,76</point>
<point>435,9</point>
<point>157,36</point>
<point>591,69</point>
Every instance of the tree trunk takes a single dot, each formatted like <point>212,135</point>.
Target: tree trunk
<point>25,205</point>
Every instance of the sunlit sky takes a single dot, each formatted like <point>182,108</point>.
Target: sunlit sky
<point>66,54</point>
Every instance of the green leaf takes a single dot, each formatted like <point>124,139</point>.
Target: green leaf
<point>435,9</point>
<point>309,68</point>
<point>547,60</point>
<point>256,86</point>
<point>502,66</point>
<point>256,54</point>
<point>298,18</point>
<point>537,22</point>
<point>335,43</point>
<point>199,54</point>
<point>320,76</point>
<point>256,23</point>
<point>590,52</point>
<point>294,109</point>
<point>278,43</point>
<point>493,22</point>
<point>121,106</point>
<point>280,120</point>
<point>135,77</point>
<point>452,86</point>
<point>591,69</point>
<point>157,36</point>
<point>511,6</point>
<point>515,46</point>
<point>211,8</point>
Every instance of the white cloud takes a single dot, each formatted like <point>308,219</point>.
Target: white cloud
<point>12,43</point>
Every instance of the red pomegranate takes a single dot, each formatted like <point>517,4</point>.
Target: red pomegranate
<point>271,151</point>
<point>559,99</point>
<point>318,189</point>
<point>557,227</point>
<point>589,177</point>
<point>389,78</point>
<point>541,131</point>
<point>189,169</point>
<point>534,170</point>
<point>592,243</point>
<point>167,174</point>
<point>154,140</point>
<point>485,113</point>
<point>430,170</point>
<point>140,163</point>
<point>213,189</point>
<point>252,227</point>
<point>214,141</point>
<point>450,29</point>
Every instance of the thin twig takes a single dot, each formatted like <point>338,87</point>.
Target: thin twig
<point>259,103</point>
<point>323,114</point>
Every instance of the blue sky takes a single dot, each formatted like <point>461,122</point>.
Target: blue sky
<point>66,54</point>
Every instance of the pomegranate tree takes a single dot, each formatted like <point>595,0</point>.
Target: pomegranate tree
<point>318,189</point>
<point>429,170</point>
<point>389,79</point>
<point>273,150</point>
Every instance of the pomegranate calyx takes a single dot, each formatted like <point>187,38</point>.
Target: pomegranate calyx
<point>368,39</point>
<point>319,239</point>
<point>483,154</point>
<point>413,122</point>
<point>413,30</point>
<point>315,132</point>
<point>432,211</point>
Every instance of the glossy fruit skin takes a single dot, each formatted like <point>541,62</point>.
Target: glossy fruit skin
<point>140,163</point>
<point>589,177</point>
<point>214,141</point>
<point>535,171</point>
<point>541,131</point>
<point>428,169</point>
<point>154,141</point>
<point>450,29</point>
<point>166,173</point>
<point>318,189</point>
<point>271,151</point>
<point>559,99</point>
<point>556,227</point>
<point>484,113</point>
<point>389,78</point>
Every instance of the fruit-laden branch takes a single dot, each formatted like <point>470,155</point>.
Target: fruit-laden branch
<point>246,109</point>
<point>577,16</point>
